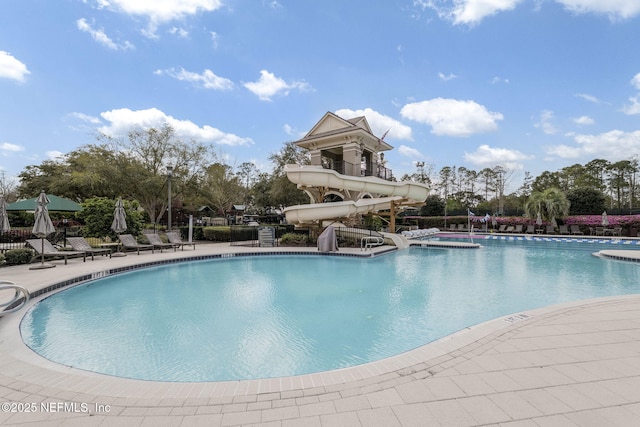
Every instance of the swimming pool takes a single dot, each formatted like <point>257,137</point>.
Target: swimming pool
<point>270,316</point>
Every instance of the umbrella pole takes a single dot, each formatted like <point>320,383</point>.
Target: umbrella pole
<point>42,264</point>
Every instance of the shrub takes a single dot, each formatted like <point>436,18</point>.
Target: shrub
<point>294,239</point>
<point>97,215</point>
<point>1,259</point>
<point>18,256</point>
<point>198,233</point>
<point>217,234</point>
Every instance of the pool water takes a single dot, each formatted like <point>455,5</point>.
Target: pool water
<point>269,316</point>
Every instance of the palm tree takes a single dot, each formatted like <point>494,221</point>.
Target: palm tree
<point>550,203</point>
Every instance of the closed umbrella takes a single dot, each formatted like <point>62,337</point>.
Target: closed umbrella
<point>119,223</point>
<point>539,219</point>
<point>42,226</point>
<point>605,220</point>
<point>4,220</point>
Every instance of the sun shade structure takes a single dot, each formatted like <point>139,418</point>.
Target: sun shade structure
<point>56,204</point>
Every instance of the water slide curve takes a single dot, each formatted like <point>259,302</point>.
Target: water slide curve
<point>316,176</point>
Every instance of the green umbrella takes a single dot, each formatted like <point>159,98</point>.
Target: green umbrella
<point>56,204</point>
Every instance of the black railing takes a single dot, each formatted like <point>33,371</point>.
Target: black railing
<point>247,235</point>
<point>366,169</point>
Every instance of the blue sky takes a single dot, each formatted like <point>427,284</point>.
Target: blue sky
<point>531,85</point>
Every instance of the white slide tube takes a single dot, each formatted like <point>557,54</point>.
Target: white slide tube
<point>316,176</point>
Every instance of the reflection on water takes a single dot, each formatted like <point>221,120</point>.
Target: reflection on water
<point>259,317</point>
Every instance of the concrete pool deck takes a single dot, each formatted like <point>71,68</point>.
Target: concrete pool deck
<point>571,364</point>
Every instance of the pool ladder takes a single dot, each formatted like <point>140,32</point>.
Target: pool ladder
<point>370,241</point>
<point>20,297</point>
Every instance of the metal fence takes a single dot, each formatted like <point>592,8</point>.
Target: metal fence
<point>16,238</point>
<point>365,168</point>
<point>255,236</point>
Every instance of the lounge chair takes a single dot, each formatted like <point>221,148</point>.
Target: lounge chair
<point>130,242</point>
<point>599,231</point>
<point>531,229</point>
<point>551,229</point>
<point>79,244</point>
<point>563,229</point>
<point>617,231</point>
<point>452,227</point>
<point>462,227</point>
<point>50,251</point>
<point>575,229</point>
<point>157,242</point>
<point>177,240</point>
<point>510,229</point>
<point>503,228</point>
<point>518,229</point>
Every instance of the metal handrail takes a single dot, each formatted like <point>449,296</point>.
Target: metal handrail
<point>368,242</point>
<point>20,297</point>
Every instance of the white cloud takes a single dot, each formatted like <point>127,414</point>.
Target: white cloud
<point>472,12</point>
<point>208,79</point>
<point>588,97</point>
<point>6,146</point>
<point>635,81</point>
<point>545,123</point>
<point>497,80</point>
<point>446,78</point>
<point>583,120</point>
<point>452,117</point>
<point>379,123</point>
<point>180,32</point>
<point>86,118</point>
<point>54,155</point>
<point>274,4</point>
<point>214,39</point>
<point>466,12</point>
<point>634,108</point>
<point>11,68</point>
<point>269,85</point>
<point>101,37</point>
<point>410,152</point>
<point>486,156</point>
<point>615,9</point>
<point>613,145</point>
<point>124,120</point>
<point>161,11</point>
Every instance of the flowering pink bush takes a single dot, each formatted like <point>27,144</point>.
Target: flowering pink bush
<point>596,220</point>
<point>584,220</point>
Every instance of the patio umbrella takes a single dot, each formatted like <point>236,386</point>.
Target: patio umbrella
<point>56,204</point>
<point>4,220</point>
<point>119,223</point>
<point>42,226</point>
<point>605,220</point>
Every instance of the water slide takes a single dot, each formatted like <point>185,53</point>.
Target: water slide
<point>316,176</point>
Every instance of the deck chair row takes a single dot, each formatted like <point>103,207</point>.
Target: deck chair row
<point>82,248</point>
